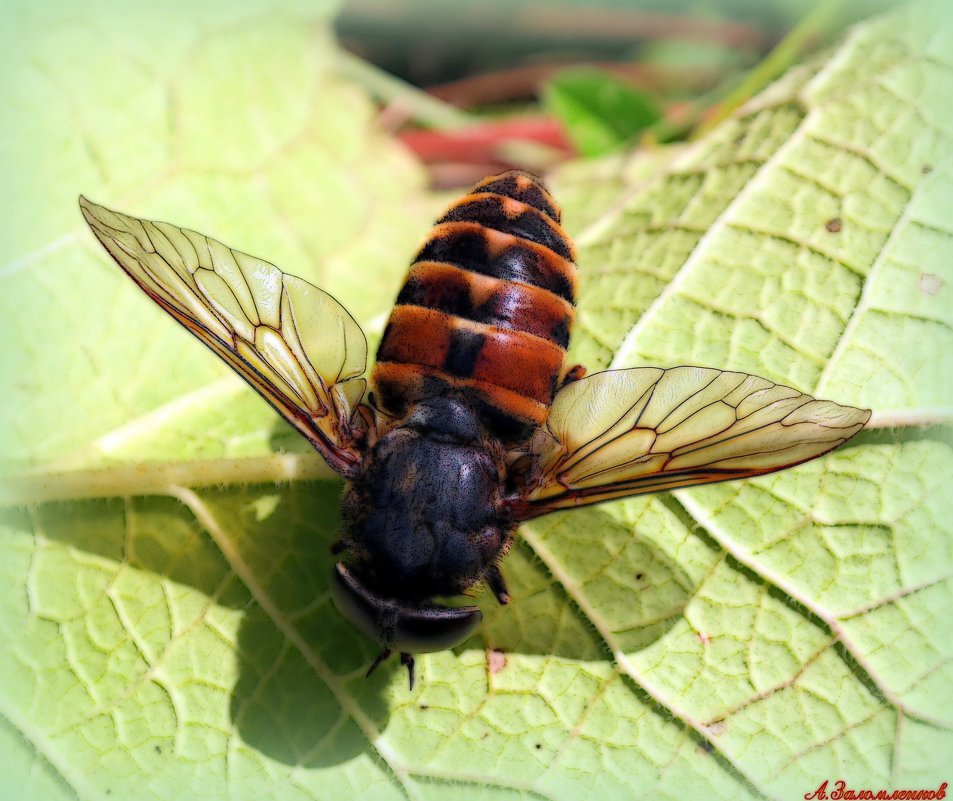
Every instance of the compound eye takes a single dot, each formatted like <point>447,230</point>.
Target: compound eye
<point>362,609</point>
<point>407,629</point>
<point>434,628</point>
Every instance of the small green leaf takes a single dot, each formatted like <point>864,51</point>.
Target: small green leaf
<point>599,111</point>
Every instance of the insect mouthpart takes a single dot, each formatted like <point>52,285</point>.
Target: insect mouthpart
<point>399,626</point>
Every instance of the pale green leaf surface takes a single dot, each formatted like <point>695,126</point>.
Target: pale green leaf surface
<point>740,641</point>
<point>245,133</point>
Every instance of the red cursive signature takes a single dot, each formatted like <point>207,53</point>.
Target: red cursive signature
<point>841,792</point>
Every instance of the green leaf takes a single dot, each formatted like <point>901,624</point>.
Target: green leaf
<point>599,111</point>
<point>165,603</point>
<point>245,132</point>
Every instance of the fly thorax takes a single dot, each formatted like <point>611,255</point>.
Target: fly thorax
<point>422,520</point>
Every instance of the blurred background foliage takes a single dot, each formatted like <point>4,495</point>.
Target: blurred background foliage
<point>530,84</point>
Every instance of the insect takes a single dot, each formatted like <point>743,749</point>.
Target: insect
<point>477,424</point>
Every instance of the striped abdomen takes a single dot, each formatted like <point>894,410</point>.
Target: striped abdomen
<point>486,309</point>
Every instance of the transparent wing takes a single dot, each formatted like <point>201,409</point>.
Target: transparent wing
<point>627,432</point>
<point>296,345</point>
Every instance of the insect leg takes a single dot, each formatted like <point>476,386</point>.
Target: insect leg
<point>574,373</point>
<point>495,579</point>
<point>408,661</point>
<point>380,658</point>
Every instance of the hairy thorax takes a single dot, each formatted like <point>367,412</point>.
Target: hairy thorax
<point>423,519</point>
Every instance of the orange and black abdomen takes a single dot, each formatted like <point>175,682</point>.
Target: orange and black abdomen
<point>486,309</point>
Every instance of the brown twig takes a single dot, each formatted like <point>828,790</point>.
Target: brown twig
<point>520,83</point>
